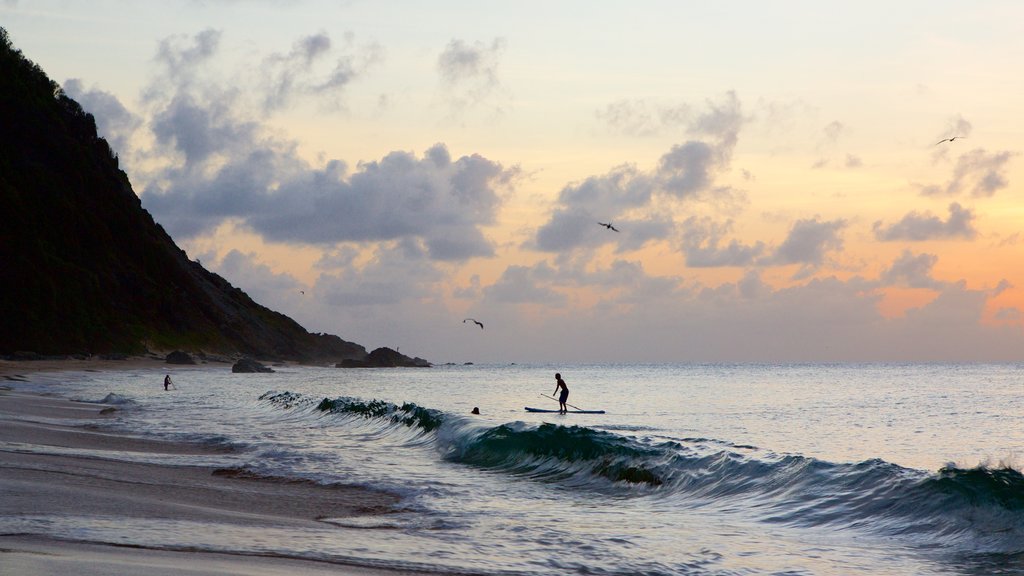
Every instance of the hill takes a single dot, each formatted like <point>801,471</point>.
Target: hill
<point>84,269</point>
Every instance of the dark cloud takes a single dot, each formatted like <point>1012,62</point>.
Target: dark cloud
<point>702,245</point>
<point>114,122</point>
<point>913,271</point>
<point>918,227</point>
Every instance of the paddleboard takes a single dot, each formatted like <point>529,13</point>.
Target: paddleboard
<point>546,411</point>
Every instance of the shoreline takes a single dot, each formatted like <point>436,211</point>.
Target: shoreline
<point>56,462</point>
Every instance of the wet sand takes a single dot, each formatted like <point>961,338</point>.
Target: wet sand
<point>41,474</point>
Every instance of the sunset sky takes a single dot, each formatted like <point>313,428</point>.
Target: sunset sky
<point>384,170</point>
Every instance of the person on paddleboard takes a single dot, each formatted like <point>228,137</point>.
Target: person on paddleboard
<point>559,383</point>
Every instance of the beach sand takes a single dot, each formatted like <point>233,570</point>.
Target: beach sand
<point>40,476</point>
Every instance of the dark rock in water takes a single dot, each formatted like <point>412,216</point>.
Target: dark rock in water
<point>249,366</point>
<point>179,357</point>
<point>384,358</point>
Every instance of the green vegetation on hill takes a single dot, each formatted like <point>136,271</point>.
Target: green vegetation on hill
<point>84,269</point>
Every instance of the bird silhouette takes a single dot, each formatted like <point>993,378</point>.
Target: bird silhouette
<point>609,226</point>
<point>477,322</point>
<point>948,139</point>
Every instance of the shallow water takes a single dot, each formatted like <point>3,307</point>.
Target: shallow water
<point>695,469</point>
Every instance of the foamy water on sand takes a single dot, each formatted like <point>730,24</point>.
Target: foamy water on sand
<point>694,469</point>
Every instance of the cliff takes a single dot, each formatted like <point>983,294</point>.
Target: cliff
<point>84,269</point>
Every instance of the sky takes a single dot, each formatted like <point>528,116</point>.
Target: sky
<point>788,181</point>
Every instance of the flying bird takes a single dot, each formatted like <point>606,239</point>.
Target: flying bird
<point>948,139</point>
<point>477,322</point>
<point>609,226</point>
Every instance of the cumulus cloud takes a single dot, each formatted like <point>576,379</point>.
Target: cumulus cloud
<point>702,245</point>
<point>222,164</point>
<point>913,271</point>
<point>919,227</point>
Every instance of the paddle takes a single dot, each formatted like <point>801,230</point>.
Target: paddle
<point>567,404</point>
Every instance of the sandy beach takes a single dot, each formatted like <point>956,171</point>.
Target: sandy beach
<point>42,474</point>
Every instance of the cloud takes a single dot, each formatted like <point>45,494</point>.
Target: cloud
<point>956,126</point>
<point>220,163</point>
<point>918,227</point>
<point>182,59</point>
<point>1009,314</point>
<point>828,146</point>
<point>687,172</point>
<point>912,271</point>
<point>648,318</point>
<point>701,245</point>
<point>721,119</point>
<point>524,285</point>
<point>979,173</point>
<point>833,130</point>
<point>639,118</point>
<point>809,241</point>
<point>114,122</point>
<point>396,273</point>
<point>469,72</point>
<point>283,76</point>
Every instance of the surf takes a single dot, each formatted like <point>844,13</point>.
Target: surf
<point>980,508</point>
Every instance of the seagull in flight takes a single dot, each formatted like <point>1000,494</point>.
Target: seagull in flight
<point>948,139</point>
<point>609,226</point>
<point>477,322</point>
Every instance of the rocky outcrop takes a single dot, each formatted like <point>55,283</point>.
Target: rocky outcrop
<point>384,358</point>
<point>179,357</point>
<point>250,366</point>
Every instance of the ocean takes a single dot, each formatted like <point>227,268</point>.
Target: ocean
<point>694,468</point>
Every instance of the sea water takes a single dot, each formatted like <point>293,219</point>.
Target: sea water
<point>693,469</point>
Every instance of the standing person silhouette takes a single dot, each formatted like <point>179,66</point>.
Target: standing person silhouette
<point>167,382</point>
<point>559,383</point>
